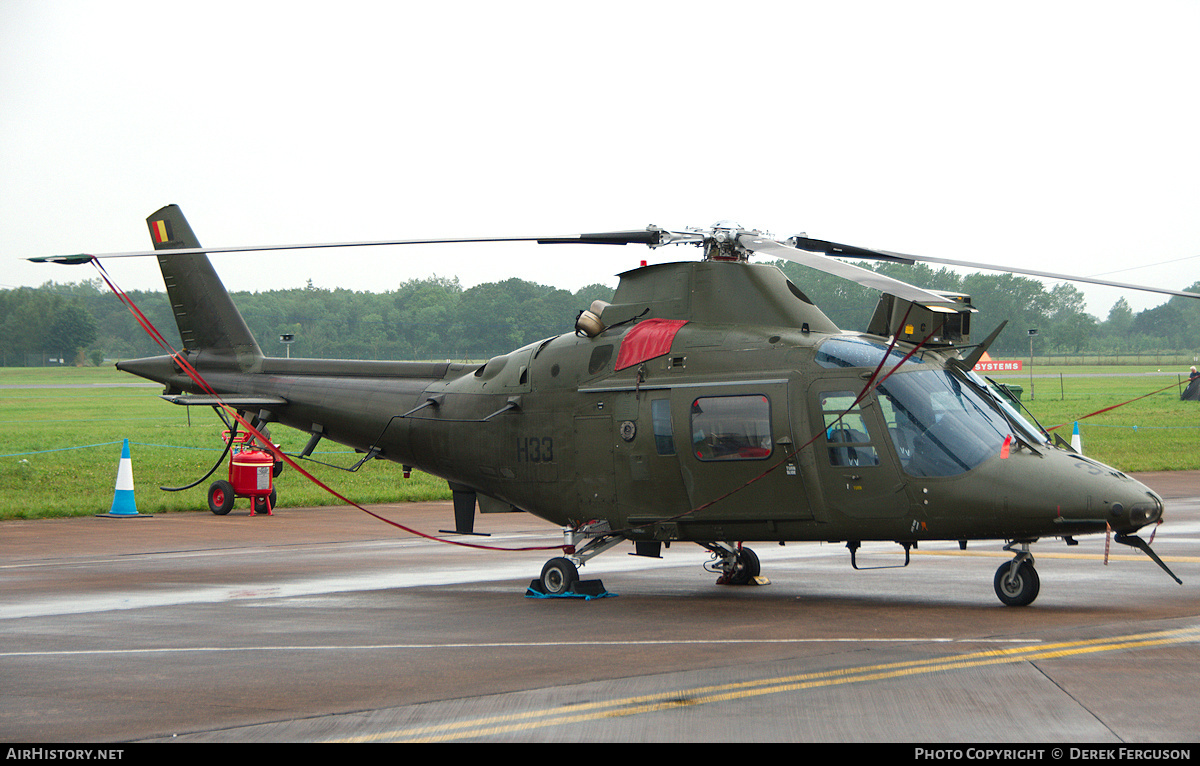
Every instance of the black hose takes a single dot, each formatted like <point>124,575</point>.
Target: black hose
<point>202,479</point>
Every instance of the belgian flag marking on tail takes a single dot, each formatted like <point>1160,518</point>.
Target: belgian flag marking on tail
<point>160,231</point>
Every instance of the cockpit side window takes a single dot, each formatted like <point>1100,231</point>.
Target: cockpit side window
<point>846,430</point>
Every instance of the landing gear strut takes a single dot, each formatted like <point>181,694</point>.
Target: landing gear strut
<point>560,575</point>
<point>1017,582</point>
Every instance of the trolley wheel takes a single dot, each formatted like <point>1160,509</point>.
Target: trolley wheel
<point>220,497</point>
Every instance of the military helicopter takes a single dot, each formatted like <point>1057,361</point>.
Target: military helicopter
<point>710,402</point>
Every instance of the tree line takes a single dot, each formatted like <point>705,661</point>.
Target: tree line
<point>424,319</point>
<point>436,318</point>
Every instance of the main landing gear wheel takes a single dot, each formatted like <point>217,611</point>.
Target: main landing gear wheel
<point>559,576</point>
<point>747,568</point>
<point>220,497</point>
<point>1019,588</point>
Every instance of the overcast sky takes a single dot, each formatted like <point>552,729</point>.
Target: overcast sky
<point>1055,135</point>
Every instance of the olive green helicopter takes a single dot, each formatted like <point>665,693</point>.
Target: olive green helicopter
<point>709,402</point>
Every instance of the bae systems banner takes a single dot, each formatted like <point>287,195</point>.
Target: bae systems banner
<point>998,365</point>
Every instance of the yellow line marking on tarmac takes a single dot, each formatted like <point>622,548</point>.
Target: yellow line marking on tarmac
<point>1043,555</point>
<point>650,703</point>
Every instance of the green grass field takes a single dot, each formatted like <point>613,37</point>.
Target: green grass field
<point>1156,433</point>
<point>60,447</point>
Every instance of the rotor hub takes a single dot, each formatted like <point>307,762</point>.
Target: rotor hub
<point>721,242</point>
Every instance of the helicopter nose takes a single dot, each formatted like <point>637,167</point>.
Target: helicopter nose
<point>1129,506</point>
<point>1147,510</point>
<point>1106,495</point>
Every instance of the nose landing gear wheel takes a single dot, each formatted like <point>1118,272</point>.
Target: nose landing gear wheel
<point>1020,588</point>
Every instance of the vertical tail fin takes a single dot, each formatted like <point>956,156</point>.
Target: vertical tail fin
<point>207,319</point>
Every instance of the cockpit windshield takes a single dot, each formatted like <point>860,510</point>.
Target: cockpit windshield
<point>940,422</point>
<point>1033,434</point>
<point>862,352</point>
<point>940,425</point>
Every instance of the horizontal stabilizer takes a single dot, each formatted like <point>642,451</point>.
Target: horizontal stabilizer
<point>240,402</point>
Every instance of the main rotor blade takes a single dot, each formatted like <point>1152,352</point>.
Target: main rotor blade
<point>650,237</point>
<point>1052,275</point>
<point>850,251</point>
<point>864,277</point>
<point>642,237</point>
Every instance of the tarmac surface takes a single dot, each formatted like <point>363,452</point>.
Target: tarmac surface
<point>328,625</point>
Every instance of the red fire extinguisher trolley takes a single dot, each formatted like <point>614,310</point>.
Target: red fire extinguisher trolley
<point>252,470</point>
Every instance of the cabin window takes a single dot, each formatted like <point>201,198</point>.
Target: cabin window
<point>731,427</point>
<point>846,430</point>
<point>664,435</point>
